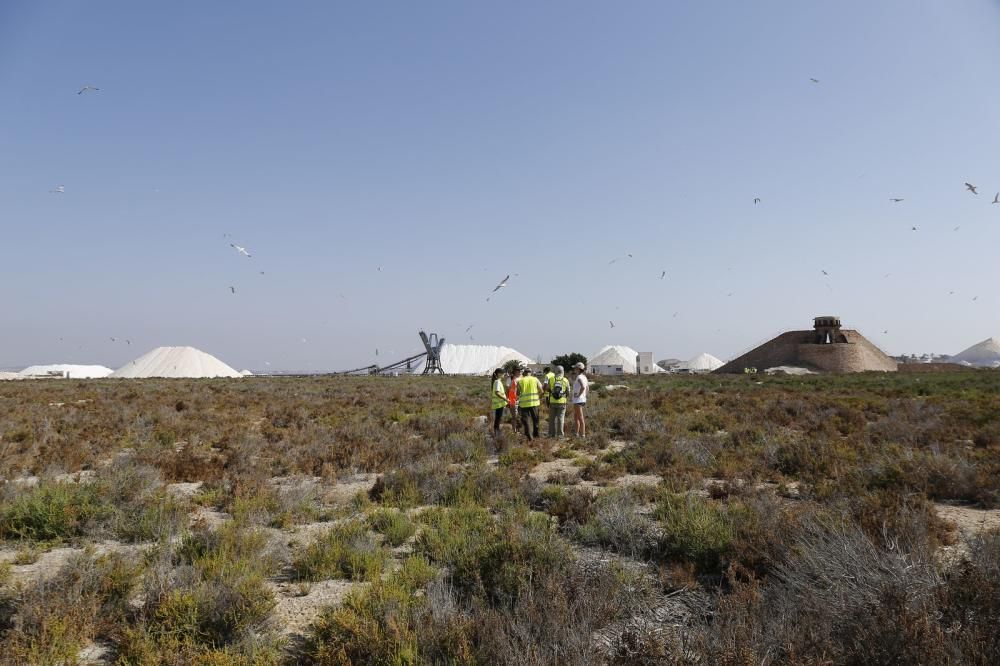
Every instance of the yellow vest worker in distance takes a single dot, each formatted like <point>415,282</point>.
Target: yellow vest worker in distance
<point>498,400</point>
<point>547,376</point>
<point>558,394</point>
<point>529,398</point>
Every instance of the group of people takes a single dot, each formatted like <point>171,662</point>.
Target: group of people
<point>522,395</point>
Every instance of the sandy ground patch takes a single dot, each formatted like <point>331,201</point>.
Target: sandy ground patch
<point>968,520</point>
<point>634,480</point>
<point>560,467</point>
<point>295,611</point>
<point>182,491</point>
<point>347,487</point>
<point>50,562</point>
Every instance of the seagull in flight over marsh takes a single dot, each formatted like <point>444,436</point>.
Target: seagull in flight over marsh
<point>756,200</point>
<point>232,289</point>
<point>87,89</point>
<point>60,189</point>
<point>612,323</point>
<point>503,283</point>
<point>894,200</point>
<point>971,188</point>
<point>813,80</point>
<point>663,275</point>
<point>996,198</point>
<point>241,250</point>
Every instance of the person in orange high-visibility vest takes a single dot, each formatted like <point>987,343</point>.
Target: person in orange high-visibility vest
<point>515,417</point>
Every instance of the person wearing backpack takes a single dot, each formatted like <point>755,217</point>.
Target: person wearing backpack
<point>558,392</point>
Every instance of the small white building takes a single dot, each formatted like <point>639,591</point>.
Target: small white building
<point>603,369</point>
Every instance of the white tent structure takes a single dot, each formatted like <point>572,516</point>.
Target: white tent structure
<point>703,362</point>
<point>985,354</point>
<point>175,362</point>
<point>67,370</point>
<point>611,356</point>
<point>473,359</point>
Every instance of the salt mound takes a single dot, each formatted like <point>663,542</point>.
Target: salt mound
<point>985,354</point>
<point>474,359</point>
<point>67,370</point>
<point>6,376</point>
<point>246,373</point>
<point>701,363</point>
<point>789,370</point>
<point>175,362</point>
<point>618,355</point>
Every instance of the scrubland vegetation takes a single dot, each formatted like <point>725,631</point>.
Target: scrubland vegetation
<point>710,520</point>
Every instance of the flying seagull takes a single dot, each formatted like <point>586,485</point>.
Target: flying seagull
<point>813,80</point>
<point>232,289</point>
<point>996,198</point>
<point>957,228</point>
<point>612,324</point>
<point>756,200</point>
<point>971,188</point>
<point>824,273</point>
<point>663,275</point>
<point>469,329</point>
<point>241,250</point>
<point>895,200</point>
<point>503,283</point>
<point>913,228</point>
<point>60,189</point>
<point>87,89</point>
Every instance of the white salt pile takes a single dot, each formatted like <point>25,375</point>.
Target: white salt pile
<point>6,376</point>
<point>66,370</point>
<point>985,354</point>
<point>175,362</point>
<point>615,355</point>
<point>474,359</point>
<point>789,370</point>
<point>701,363</point>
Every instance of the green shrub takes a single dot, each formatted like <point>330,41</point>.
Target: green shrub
<point>393,524</point>
<point>694,529</point>
<point>345,551</point>
<point>52,512</point>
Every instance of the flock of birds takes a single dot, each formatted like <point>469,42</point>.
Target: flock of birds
<point>244,252</point>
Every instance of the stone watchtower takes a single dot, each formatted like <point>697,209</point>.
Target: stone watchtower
<point>828,331</point>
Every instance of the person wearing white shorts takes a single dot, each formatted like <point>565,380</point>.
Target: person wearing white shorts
<point>581,391</point>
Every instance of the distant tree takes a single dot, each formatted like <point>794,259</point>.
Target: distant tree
<point>567,361</point>
<point>510,366</point>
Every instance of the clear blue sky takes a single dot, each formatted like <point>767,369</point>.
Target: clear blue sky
<point>451,143</point>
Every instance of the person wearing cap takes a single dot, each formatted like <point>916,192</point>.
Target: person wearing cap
<point>581,391</point>
<point>557,391</point>
<point>529,399</point>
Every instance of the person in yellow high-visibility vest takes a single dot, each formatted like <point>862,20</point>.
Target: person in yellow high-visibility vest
<point>498,400</point>
<point>558,394</point>
<point>529,399</point>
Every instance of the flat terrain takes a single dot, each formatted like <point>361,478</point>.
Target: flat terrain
<point>738,520</point>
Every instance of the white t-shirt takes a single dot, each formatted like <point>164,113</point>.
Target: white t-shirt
<point>581,388</point>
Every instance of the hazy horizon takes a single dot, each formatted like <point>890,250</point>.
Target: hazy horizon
<point>386,165</point>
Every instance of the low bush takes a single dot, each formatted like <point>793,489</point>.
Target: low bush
<point>344,551</point>
<point>393,524</point>
<point>694,529</point>
<point>53,512</point>
<point>615,522</point>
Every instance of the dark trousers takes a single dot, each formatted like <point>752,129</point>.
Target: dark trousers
<point>530,413</point>
<point>497,418</point>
